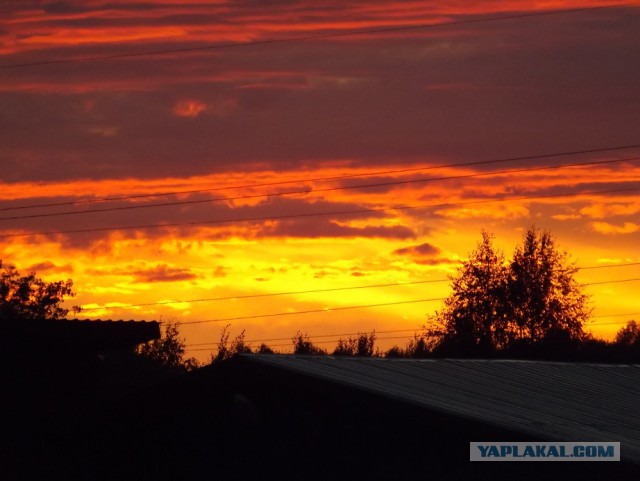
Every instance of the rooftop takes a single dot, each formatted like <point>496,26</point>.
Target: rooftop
<point>547,400</point>
<point>78,334</point>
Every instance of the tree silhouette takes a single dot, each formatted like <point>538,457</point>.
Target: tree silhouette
<point>303,345</point>
<point>628,336</point>
<point>544,297</point>
<point>225,350</point>
<point>475,316</point>
<point>264,349</point>
<point>29,297</point>
<point>420,346</point>
<point>534,299</point>
<point>362,346</point>
<point>169,350</point>
<point>395,352</point>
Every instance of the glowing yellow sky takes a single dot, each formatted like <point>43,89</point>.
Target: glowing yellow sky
<point>244,259</point>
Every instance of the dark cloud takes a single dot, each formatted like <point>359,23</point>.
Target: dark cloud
<point>317,218</point>
<point>490,90</point>
<point>49,266</point>
<point>327,228</point>
<point>157,273</point>
<point>422,250</point>
<point>163,273</point>
<point>436,261</point>
<point>424,254</point>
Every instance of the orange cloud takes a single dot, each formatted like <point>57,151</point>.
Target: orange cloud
<point>603,211</point>
<point>613,229</point>
<point>48,266</point>
<point>487,211</point>
<point>189,108</point>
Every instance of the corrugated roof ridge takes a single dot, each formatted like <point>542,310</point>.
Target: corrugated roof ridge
<point>430,360</point>
<point>106,320</point>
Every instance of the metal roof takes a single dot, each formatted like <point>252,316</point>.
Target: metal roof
<point>551,401</point>
<point>77,334</point>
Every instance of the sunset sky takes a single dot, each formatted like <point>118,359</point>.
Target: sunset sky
<point>337,158</point>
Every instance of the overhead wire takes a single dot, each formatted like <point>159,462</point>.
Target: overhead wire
<point>311,311</point>
<point>607,266</point>
<point>616,323</point>
<point>315,342</point>
<point>339,337</point>
<point>313,214</point>
<point>270,294</point>
<point>305,38</point>
<point>331,178</point>
<point>322,190</point>
<point>307,291</point>
<point>344,308</point>
<point>634,279</point>
<point>374,331</point>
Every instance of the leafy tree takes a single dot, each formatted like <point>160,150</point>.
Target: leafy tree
<point>629,335</point>
<point>169,350</point>
<point>264,349</point>
<point>225,350</point>
<point>474,318</point>
<point>362,346</point>
<point>239,345</point>
<point>395,352</point>
<point>29,297</point>
<point>421,346</point>
<point>303,345</point>
<point>533,298</point>
<point>544,297</point>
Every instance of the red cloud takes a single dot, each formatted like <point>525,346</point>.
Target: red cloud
<point>328,228</point>
<point>189,108</point>
<point>164,273</point>
<point>422,250</point>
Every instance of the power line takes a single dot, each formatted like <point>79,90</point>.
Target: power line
<point>312,311</point>
<point>613,282</point>
<point>415,330</point>
<point>312,337</point>
<point>614,315</point>
<point>315,214</point>
<point>319,179</point>
<point>374,331</point>
<point>326,189</point>
<point>364,306</point>
<point>332,341</point>
<point>306,38</point>
<point>315,342</point>
<point>607,266</point>
<point>213,344</point>
<point>616,323</point>
<point>309,291</point>
<point>274,294</point>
